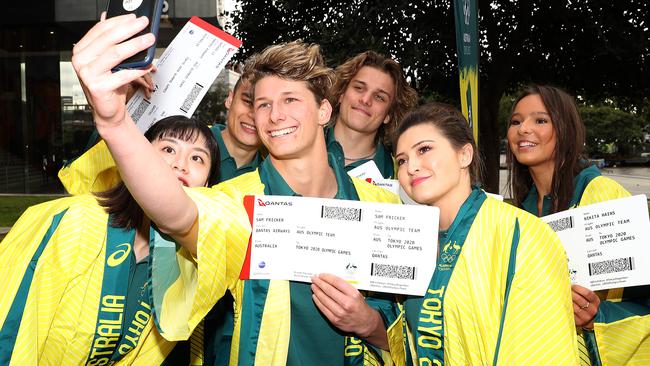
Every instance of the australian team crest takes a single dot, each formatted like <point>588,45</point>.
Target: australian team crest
<point>450,253</point>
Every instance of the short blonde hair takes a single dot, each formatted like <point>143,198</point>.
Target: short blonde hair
<point>296,61</point>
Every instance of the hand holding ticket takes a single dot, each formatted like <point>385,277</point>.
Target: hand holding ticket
<point>608,243</point>
<point>185,72</point>
<point>373,246</point>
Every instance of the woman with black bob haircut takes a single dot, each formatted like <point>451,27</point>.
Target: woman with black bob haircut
<point>119,202</point>
<point>75,270</point>
<point>548,173</point>
<point>500,291</point>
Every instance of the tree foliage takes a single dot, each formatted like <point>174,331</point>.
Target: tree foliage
<point>212,110</point>
<point>595,48</point>
<point>612,131</point>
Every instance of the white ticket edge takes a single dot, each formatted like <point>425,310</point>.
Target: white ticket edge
<point>608,243</point>
<point>367,170</point>
<point>185,71</point>
<point>378,239</point>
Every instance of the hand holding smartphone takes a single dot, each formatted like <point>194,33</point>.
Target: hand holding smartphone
<point>152,9</point>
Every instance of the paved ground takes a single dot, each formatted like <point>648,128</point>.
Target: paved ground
<point>634,179</point>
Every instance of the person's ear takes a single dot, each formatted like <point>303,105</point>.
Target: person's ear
<point>324,112</point>
<point>228,101</point>
<point>466,155</point>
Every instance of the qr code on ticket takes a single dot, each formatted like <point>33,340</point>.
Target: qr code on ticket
<point>611,266</point>
<point>561,224</point>
<point>341,213</point>
<point>191,97</point>
<point>139,111</point>
<point>392,271</point>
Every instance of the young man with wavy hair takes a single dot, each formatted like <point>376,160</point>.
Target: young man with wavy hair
<point>371,96</point>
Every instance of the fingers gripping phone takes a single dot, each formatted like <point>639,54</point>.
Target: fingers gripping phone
<point>152,9</point>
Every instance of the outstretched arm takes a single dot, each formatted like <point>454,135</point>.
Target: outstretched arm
<point>144,172</point>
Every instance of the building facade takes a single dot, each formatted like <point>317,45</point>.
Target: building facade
<point>44,119</point>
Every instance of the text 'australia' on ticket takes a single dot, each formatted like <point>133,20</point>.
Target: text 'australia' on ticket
<point>608,243</point>
<point>373,246</point>
<point>185,71</point>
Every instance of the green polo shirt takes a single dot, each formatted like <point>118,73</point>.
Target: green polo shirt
<point>228,168</point>
<point>312,336</point>
<point>383,159</point>
<point>580,183</point>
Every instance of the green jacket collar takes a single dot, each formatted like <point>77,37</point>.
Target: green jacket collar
<point>580,183</point>
<point>274,183</point>
<point>383,158</point>
<point>228,166</point>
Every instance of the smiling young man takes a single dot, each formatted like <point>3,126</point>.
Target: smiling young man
<point>371,96</point>
<point>291,107</point>
<point>237,138</point>
<point>277,322</point>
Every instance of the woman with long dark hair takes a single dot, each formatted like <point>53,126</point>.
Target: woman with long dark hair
<point>548,173</point>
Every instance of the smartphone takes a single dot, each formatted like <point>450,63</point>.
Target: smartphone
<point>152,9</point>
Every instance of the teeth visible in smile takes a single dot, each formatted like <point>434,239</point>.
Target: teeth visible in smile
<point>527,144</point>
<point>248,126</point>
<point>284,131</point>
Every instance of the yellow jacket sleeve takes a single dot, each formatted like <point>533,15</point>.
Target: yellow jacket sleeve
<point>94,171</point>
<point>537,325</point>
<point>185,288</point>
